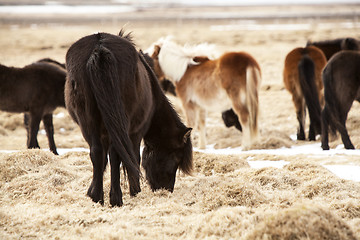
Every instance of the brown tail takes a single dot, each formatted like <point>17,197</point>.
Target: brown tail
<point>253,81</point>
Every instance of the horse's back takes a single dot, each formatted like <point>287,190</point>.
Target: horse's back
<point>237,61</point>
<point>331,47</point>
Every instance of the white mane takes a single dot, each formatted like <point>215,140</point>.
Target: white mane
<point>174,59</point>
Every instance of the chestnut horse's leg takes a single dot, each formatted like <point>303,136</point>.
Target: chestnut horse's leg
<point>242,112</point>
<point>202,127</point>
<point>35,119</point>
<point>98,156</point>
<point>115,190</point>
<point>49,128</point>
<point>195,117</point>
<point>299,104</point>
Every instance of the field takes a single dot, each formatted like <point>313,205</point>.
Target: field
<point>43,196</point>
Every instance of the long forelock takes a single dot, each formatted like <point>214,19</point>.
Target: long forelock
<point>175,59</point>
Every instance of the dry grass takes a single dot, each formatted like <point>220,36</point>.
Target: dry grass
<point>43,196</point>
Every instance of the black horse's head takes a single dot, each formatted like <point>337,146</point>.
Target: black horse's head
<point>161,163</point>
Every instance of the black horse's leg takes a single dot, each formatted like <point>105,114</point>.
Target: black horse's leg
<point>312,134</point>
<point>26,124</point>
<point>134,181</point>
<point>325,129</point>
<point>344,133</point>
<point>98,157</point>
<point>35,119</point>
<point>115,190</point>
<point>49,128</point>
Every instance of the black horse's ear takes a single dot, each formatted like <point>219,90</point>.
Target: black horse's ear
<point>187,135</point>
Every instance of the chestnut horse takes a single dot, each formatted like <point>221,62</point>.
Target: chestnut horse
<point>302,78</point>
<point>37,90</point>
<point>330,47</point>
<point>229,81</point>
<point>341,78</point>
<point>114,96</point>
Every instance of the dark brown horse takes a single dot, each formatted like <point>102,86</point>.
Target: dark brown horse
<point>37,90</point>
<point>302,78</point>
<point>341,78</point>
<point>114,96</point>
<point>330,47</point>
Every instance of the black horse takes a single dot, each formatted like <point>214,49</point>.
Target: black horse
<point>114,96</point>
<point>341,78</point>
<point>330,47</point>
<point>37,90</point>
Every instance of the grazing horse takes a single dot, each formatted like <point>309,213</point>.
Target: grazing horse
<point>114,96</point>
<point>229,81</point>
<point>330,47</point>
<point>341,78</point>
<point>302,78</point>
<point>37,90</point>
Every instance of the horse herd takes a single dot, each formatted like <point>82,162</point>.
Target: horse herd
<point>112,91</point>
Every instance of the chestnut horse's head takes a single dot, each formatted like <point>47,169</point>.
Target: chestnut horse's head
<point>161,163</point>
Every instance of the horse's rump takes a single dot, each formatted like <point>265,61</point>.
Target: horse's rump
<point>302,78</point>
<point>240,76</point>
<point>341,86</point>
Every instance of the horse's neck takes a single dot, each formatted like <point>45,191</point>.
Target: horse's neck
<point>164,118</point>
<point>5,72</point>
<point>163,113</point>
<point>174,65</point>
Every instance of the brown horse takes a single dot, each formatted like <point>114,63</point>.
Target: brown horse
<point>229,81</point>
<point>37,90</point>
<point>114,96</point>
<point>229,116</point>
<point>302,78</point>
<point>341,78</point>
<point>330,47</point>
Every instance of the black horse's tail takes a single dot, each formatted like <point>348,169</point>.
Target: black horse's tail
<point>330,114</point>
<point>308,86</point>
<point>103,70</point>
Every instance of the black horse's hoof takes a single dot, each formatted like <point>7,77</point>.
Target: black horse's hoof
<point>300,137</point>
<point>325,147</point>
<point>116,199</point>
<point>97,197</point>
<point>350,147</point>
